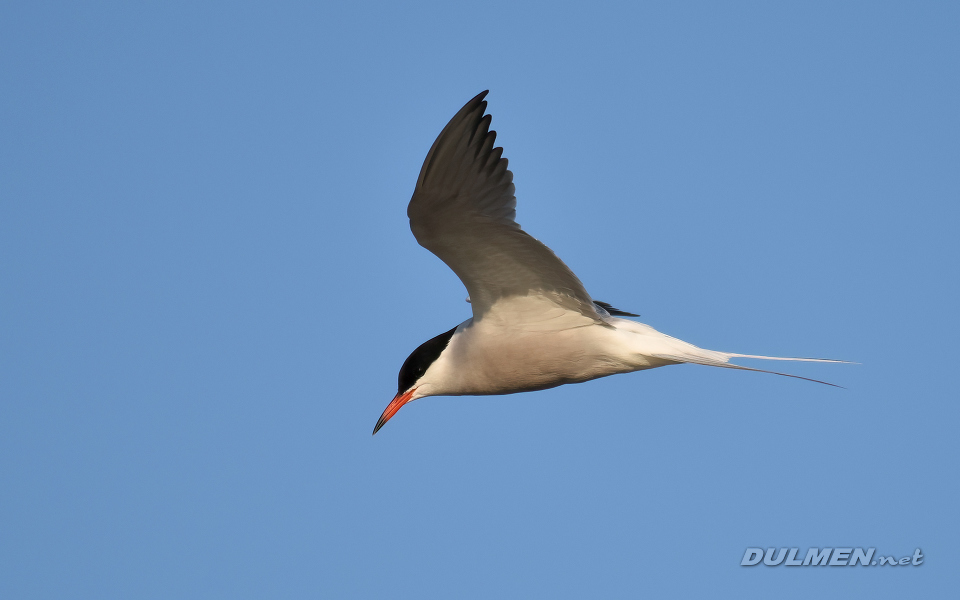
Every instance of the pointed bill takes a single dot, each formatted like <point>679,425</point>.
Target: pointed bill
<point>396,404</point>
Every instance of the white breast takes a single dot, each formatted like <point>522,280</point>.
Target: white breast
<point>529,343</point>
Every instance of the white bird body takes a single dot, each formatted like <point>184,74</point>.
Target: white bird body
<point>534,325</point>
<point>533,344</point>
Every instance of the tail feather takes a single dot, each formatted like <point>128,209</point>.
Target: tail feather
<point>712,358</point>
<point>826,360</point>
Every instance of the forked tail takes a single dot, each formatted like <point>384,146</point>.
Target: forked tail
<point>712,358</point>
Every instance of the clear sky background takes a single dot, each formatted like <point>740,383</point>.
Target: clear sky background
<point>208,285</point>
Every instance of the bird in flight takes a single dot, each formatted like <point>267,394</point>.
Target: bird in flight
<point>534,326</point>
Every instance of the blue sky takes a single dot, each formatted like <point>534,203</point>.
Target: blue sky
<point>208,285</point>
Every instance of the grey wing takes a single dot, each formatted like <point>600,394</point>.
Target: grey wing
<point>463,210</point>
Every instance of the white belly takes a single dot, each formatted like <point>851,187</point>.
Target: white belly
<point>537,350</point>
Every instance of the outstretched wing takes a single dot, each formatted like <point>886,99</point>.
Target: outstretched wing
<point>463,210</point>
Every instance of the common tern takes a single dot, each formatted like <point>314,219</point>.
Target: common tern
<point>534,326</point>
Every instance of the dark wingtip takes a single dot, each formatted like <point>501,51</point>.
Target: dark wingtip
<point>479,102</point>
<point>475,101</point>
<point>614,312</point>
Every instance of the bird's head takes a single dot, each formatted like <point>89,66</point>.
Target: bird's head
<point>411,377</point>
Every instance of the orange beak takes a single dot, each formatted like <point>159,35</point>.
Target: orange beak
<point>396,404</point>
